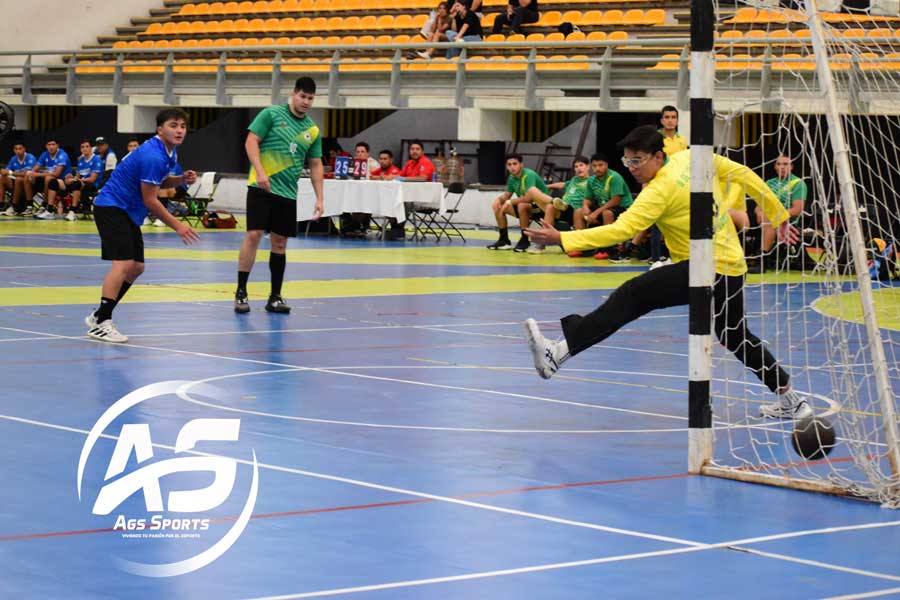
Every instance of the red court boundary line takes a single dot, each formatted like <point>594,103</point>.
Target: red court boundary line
<point>537,488</point>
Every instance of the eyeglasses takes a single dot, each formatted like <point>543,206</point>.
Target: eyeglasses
<point>634,163</point>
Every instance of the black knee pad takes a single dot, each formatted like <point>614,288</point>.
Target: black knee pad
<point>53,185</point>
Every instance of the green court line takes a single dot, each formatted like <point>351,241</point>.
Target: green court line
<point>848,307</point>
<point>330,288</point>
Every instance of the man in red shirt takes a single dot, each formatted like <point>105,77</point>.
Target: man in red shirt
<point>386,167</point>
<point>418,167</point>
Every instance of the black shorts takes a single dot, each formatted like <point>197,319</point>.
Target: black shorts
<point>120,237</point>
<point>271,213</point>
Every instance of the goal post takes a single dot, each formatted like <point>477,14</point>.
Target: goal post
<point>810,100</point>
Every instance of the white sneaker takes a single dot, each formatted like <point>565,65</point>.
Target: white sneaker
<point>28,212</point>
<point>106,332</point>
<point>146,222</point>
<point>661,263</point>
<point>46,215</point>
<point>91,320</point>
<point>38,198</point>
<point>9,212</point>
<point>423,54</point>
<point>547,355</point>
<point>70,216</point>
<point>158,223</point>
<point>789,406</point>
<point>535,249</point>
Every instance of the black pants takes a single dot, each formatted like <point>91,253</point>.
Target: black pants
<point>668,286</point>
<point>520,16</point>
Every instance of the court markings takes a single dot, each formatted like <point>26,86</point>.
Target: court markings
<point>728,545</point>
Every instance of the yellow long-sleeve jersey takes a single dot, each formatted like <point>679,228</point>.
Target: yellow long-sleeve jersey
<point>666,201</point>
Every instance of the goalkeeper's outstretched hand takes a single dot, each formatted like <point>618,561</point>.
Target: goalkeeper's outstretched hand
<point>546,235</point>
<point>788,234</point>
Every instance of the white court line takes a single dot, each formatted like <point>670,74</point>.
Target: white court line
<point>395,490</point>
<point>860,596</point>
<point>730,545</point>
<point>23,284</point>
<point>79,266</point>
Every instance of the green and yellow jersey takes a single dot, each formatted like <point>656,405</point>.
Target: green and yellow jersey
<point>286,141</point>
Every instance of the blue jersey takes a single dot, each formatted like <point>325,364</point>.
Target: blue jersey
<point>176,172</point>
<point>51,162</point>
<point>26,164</point>
<point>149,164</point>
<point>86,166</point>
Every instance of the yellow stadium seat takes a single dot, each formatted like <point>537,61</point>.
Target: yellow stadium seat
<point>745,14</point>
<point>596,36</point>
<point>267,41</point>
<point>304,65</point>
<point>236,42</point>
<point>634,16</point>
<point>321,5</point>
<point>419,21</point>
<point>250,41</point>
<point>241,26</point>
<point>351,23</point>
<point>275,6</point>
<point>854,32</point>
<point>551,18</point>
<point>488,21</point>
<point>217,8</point>
<point>315,40</point>
<point>349,40</point>
<point>318,24</point>
<point>372,23</point>
<point>370,5</point>
<point>202,8</point>
<point>153,29</point>
<point>576,36</point>
<point>120,44</point>
<point>204,43</point>
<point>572,16</point>
<point>336,5</point>
<point>477,63</point>
<point>286,24</point>
<point>246,7</point>
<point>880,32</point>
<point>403,22</point>
<point>366,39</point>
<point>302,24</point>
<point>555,37</point>
<point>332,40</point>
<point>384,39</point>
<point>188,9</point>
<point>592,17</point>
<point>271,24</point>
<point>516,63</point>
<point>306,5</point>
<point>334,24</point>
<point>282,41</point>
<point>870,65</point>
<point>617,36</point>
<point>732,34</point>
<point>515,37</point>
<point>256,25</point>
<point>299,41</point>
<point>655,16</point>
<point>231,8</point>
<point>499,37</point>
<point>613,17</point>
<point>354,5</point>
<point>531,37</point>
<point>191,43</point>
<point>260,7</point>
<point>400,39</point>
<point>770,16</point>
<point>668,62</point>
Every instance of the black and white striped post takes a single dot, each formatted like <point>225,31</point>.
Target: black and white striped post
<point>702,267</point>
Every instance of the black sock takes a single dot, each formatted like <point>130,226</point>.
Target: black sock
<point>104,312</point>
<point>243,276</point>
<point>504,234</point>
<point>277,263</point>
<point>123,290</point>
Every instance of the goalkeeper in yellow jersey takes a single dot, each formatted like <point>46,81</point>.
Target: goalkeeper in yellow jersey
<point>665,201</point>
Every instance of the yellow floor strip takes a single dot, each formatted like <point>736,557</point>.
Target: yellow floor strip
<point>848,307</point>
<point>332,288</point>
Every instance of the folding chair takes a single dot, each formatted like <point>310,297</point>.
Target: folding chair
<point>198,197</point>
<point>430,220</point>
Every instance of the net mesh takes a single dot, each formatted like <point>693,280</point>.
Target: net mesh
<point>804,302</point>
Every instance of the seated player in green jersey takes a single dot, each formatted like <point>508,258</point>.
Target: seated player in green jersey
<point>516,202</point>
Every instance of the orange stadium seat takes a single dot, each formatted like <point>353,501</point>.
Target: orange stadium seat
<point>555,37</point>
<point>153,29</point>
<point>256,25</point>
<point>315,40</point>
<point>384,39</point>
<point>596,36</point>
<point>400,39</point>
<point>230,8</point>
<point>334,24</point>
<point>576,36</point>
<point>617,36</point>
<point>655,16</point>
<point>321,5</point>
<point>351,23</point>
<point>306,5</point>
<point>668,62</point>
<point>633,16</point>
<point>572,16</point>
<point>318,24</point>
<point>217,8</point>
<point>332,40</point>
<point>488,21</point>
<point>592,17</point>
<point>366,39</point>
<point>551,18</point>
<point>613,17</point>
<point>188,9</point>
<point>245,8</point>
<point>261,7</point>
<point>403,22</point>
<point>745,14</point>
<point>531,37</point>
<point>302,24</point>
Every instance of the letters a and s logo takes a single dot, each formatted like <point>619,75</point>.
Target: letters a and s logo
<point>189,505</point>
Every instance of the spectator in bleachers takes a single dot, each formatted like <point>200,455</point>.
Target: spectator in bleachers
<point>442,23</point>
<point>518,13</point>
<point>88,171</point>
<point>108,157</point>
<point>12,178</point>
<point>466,27</point>
<point>52,164</point>
<point>386,167</point>
<point>133,144</point>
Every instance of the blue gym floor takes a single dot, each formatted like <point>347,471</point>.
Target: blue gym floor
<point>405,447</point>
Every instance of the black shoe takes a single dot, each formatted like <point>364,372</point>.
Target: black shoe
<point>397,234</point>
<point>522,244</point>
<point>501,244</point>
<point>276,305</point>
<point>241,305</point>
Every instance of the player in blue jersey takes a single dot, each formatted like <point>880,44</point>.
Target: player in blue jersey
<point>12,178</point>
<point>88,171</point>
<point>121,207</point>
<point>53,164</point>
<point>108,157</point>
